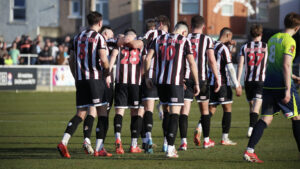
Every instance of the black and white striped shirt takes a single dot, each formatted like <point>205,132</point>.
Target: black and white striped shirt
<point>200,44</point>
<point>256,56</point>
<point>223,57</point>
<point>86,46</point>
<point>170,52</point>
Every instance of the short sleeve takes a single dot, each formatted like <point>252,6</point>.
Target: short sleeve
<point>101,44</point>
<point>226,55</point>
<point>242,53</point>
<point>152,45</point>
<point>188,47</point>
<point>289,47</point>
<point>210,44</point>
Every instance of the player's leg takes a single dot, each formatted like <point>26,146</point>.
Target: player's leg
<point>254,114</point>
<point>172,130</point>
<point>269,107</point>
<point>101,131</point>
<point>205,121</point>
<point>296,119</point>
<point>147,122</point>
<point>71,128</point>
<point>87,130</point>
<point>183,124</point>
<point>135,127</point>
<point>226,124</point>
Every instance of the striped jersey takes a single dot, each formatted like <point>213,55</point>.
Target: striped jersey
<point>149,37</point>
<point>256,56</point>
<point>170,52</point>
<point>223,57</point>
<point>129,66</point>
<point>111,44</point>
<point>200,44</point>
<point>86,46</point>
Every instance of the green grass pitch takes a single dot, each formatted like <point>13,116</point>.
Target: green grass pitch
<point>32,123</point>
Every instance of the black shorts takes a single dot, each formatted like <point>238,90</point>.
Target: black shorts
<point>254,90</point>
<point>223,96</point>
<point>189,90</point>
<point>90,93</point>
<point>149,94</point>
<point>109,95</point>
<point>272,103</point>
<point>204,92</point>
<point>127,96</point>
<point>172,95</point>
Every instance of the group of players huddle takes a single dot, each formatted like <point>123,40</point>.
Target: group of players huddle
<point>174,68</point>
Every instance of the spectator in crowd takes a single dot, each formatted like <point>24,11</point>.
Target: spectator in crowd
<point>3,50</point>
<point>54,51</point>
<point>7,59</point>
<point>61,58</point>
<point>18,41</point>
<point>14,53</point>
<point>45,57</point>
<point>67,43</point>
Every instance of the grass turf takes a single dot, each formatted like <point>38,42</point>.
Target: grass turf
<point>32,123</point>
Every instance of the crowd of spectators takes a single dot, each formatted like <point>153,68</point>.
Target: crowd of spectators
<point>48,52</point>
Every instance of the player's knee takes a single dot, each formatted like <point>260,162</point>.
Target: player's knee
<point>296,117</point>
<point>267,119</point>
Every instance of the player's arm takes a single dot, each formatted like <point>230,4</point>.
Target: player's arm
<point>287,61</point>
<point>240,68</point>
<point>148,59</point>
<point>136,44</point>
<point>72,64</point>
<point>104,61</point>
<point>213,65</point>
<point>193,67</point>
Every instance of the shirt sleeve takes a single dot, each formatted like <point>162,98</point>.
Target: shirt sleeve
<point>289,47</point>
<point>226,55</point>
<point>101,44</point>
<point>188,47</point>
<point>210,44</point>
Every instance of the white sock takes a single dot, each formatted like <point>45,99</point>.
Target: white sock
<point>148,135</point>
<point>225,136</point>
<point>99,144</point>
<point>66,139</point>
<point>183,140</point>
<point>165,140</point>
<point>118,136</point>
<point>87,140</point>
<point>199,126</point>
<point>171,148</point>
<point>145,140</point>
<point>206,139</point>
<point>250,150</point>
<point>134,142</point>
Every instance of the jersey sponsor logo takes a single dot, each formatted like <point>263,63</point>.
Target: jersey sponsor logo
<point>292,49</point>
<point>174,99</point>
<point>96,100</point>
<point>289,114</point>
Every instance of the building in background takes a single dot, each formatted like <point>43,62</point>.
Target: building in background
<point>58,18</point>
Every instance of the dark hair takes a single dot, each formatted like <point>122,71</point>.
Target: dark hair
<point>256,30</point>
<point>164,20</point>
<point>129,30</point>
<point>197,21</point>
<point>93,18</point>
<point>292,20</point>
<point>225,30</point>
<point>150,23</point>
<point>104,28</point>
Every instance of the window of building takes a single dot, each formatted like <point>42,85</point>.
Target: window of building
<point>228,8</point>
<point>261,10</point>
<point>102,7</point>
<point>189,7</point>
<point>19,10</point>
<point>75,9</point>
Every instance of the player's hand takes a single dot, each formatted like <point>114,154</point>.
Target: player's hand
<point>287,97</point>
<point>149,83</point>
<point>239,91</point>
<point>184,86</point>
<point>108,81</point>
<point>196,89</point>
<point>217,85</point>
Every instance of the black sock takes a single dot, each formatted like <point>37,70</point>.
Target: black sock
<point>148,121</point>
<point>172,129</point>
<point>226,121</point>
<point>296,131</point>
<point>118,123</point>
<point>183,125</point>
<point>253,119</point>
<point>134,126</point>
<point>257,132</point>
<point>210,114</point>
<point>88,126</point>
<point>106,126</point>
<point>101,125</point>
<point>143,131</point>
<point>165,123</point>
<point>72,125</point>
<point>140,124</point>
<point>205,122</point>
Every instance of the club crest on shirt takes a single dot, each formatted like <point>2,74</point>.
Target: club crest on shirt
<point>292,49</point>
